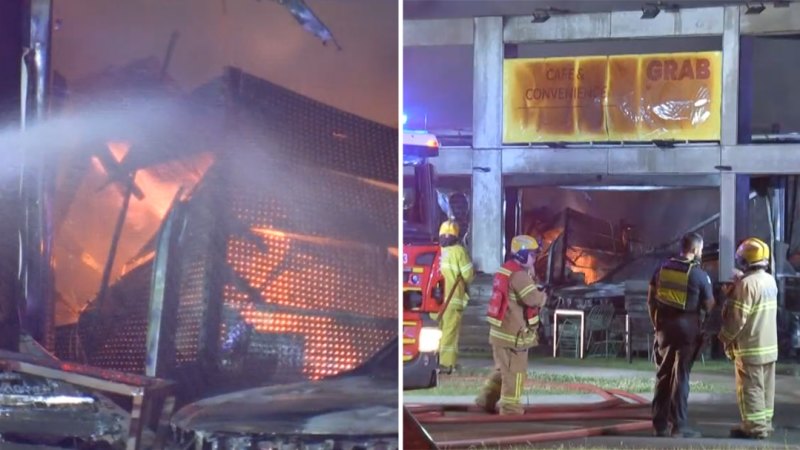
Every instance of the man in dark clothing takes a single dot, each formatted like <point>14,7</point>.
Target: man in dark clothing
<point>679,290</point>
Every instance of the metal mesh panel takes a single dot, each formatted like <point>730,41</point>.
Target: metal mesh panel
<point>323,273</point>
<point>114,336</point>
<point>125,350</point>
<point>194,268</point>
<point>309,131</point>
<point>284,272</point>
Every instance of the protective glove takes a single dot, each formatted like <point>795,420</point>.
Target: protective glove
<point>729,351</point>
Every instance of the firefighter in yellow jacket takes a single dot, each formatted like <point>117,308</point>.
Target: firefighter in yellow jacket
<point>456,269</point>
<point>749,333</point>
<point>513,317</point>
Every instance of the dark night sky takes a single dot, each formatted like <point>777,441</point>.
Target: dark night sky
<point>260,37</point>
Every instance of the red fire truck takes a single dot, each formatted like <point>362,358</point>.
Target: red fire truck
<point>422,283</point>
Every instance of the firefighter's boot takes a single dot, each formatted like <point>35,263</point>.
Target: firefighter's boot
<point>490,393</point>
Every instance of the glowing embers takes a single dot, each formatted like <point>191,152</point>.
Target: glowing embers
<point>89,260</point>
<point>331,347</point>
<point>304,275</point>
<point>319,240</point>
<point>252,208</point>
<point>391,187</point>
<point>585,264</point>
<point>305,289</point>
<point>280,278</point>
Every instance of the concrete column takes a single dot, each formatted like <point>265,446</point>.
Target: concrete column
<point>11,43</point>
<point>730,76</point>
<point>729,136</point>
<point>779,246</point>
<point>779,209</point>
<point>745,101</point>
<point>37,185</point>
<point>727,225</point>
<point>487,138</point>
<point>742,213</point>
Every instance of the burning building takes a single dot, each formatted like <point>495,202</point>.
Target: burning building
<point>279,250</point>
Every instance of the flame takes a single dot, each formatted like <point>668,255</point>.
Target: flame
<point>88,224</point>
<point>137,262</point>
<point>306,283</point>
<point>89,260</point>
<point>585,264</point>
<point>119,150</point>
<point>97,165</point>
<point>159,193</point>
<point>320,240</point>
<point>391,187</point>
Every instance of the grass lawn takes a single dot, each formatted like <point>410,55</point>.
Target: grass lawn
<point>713,367</point>
<point>721,367</point>
<point>468,382</point>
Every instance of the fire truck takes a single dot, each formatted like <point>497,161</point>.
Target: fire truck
<point>422,283</point>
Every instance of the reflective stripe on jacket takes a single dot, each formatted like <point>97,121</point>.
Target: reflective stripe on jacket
<point>453,262</point>
<point>749,319</point>
<point>672,285</point>
<point>518,328</point>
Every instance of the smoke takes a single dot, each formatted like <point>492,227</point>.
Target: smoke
<point>171,144</point>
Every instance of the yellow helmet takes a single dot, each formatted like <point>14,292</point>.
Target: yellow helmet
<point>752,251</point>
<point>449,227</point>
<point>524,242</point>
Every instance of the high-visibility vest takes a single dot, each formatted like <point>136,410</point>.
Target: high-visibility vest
<point>498,303</point>
<point>672,285</point>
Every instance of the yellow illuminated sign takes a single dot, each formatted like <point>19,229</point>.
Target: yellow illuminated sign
<point>669,96</point>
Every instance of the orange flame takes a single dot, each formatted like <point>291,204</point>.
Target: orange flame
<point>585,264</point>
<point>119,150</point>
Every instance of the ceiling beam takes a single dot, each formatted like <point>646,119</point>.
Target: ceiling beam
<point>772,21</point>
<point>427,33</point>
<point>681,181</point>
<point>606,26</point>
<point>689,160</point>
<point>776,159</point>
<point>615,25</point>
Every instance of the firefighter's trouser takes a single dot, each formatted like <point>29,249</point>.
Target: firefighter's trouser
<point>505,385</point>
<point>755,394</point>
<point>671,399</point>
<point>451,326</point>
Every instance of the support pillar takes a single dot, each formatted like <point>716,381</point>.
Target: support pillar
<point>742,212</point>
<point>36,188</point>
<point>745,100</point>
<point>729,136</point>
<point>487,137</point>
<point>779,210</point>
<point>727,225</point>
<point>511,215</point>
<point>779,244</point>
<point>11,43</point>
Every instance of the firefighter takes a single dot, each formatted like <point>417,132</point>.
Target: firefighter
<point>513,317</point>
<point>678,291</point>
<point>750,336</point>
<point>456,268</point>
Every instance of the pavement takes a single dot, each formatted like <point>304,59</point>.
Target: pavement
<point>711,414</point>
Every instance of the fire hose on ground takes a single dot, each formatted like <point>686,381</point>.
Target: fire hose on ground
<point>630,409</point>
